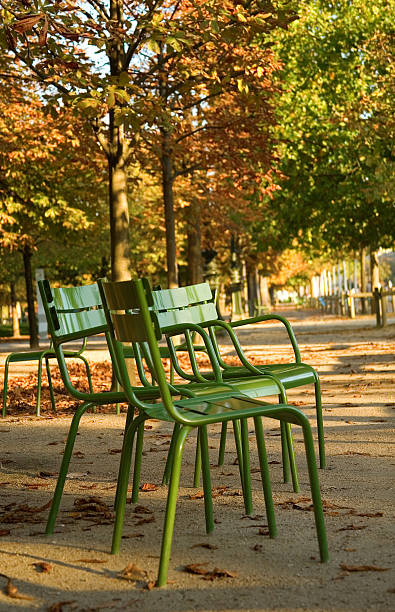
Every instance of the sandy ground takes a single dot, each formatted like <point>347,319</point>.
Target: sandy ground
<point>356,364</point>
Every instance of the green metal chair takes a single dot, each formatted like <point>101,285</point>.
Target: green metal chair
<point>173,306</point>
<point>76,313</point>
<point>290,375</point>
<point>40,356</point>
<point>128,306</point>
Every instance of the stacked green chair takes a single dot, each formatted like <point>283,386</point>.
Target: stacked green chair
<point>172,307</point>
<point>289,375</point>
<point>44,355</point>
<point>76,313</point>
<point>130,308</point>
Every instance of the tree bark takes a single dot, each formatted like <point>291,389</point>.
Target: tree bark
<point>251,288</point>
<point>362,259</point>
<point>27,264</point>
<point>374,272</point>
<point>119,220</point>
<point>14,313</point>
<point>194,248</point>
<point>168,201</point>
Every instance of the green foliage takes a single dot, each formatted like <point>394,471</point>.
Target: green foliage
<point>336,126</point>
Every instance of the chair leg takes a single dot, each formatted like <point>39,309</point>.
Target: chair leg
<point>239,450</point>
<point>167,470</point>
<point>222,444</point>
<point>5,387</point>
<point>320,423</point>
<point>266,485</point>
<point>137,463</point>
<point>291,457</point>
<point>65,466</point>
<point>51,393</point>
<point>284,452</point>
<point>296,416</point>
<point>246,467</point>
<point>171,507</point>
<point>129,419</point>
<point>38,398</point>
<point>198,461</point>
<point>208,500</point>
<point>123,480</point>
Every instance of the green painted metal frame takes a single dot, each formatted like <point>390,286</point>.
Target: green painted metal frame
<point>290,375</point>
<point>40,356</point>
<point>139,324</point>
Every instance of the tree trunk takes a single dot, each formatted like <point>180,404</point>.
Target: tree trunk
<point>14,313</point>
<point>374,273</point>
<point>168,202</point>
<point>364,283</point>
<point>194,249</point>
<point>252,288</point>
<point>119,221</point>
<point>27,264</point>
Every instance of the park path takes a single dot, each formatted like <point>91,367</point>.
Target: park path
<point>356,362</point>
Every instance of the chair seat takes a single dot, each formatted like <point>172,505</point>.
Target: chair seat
<point>290,374</point>
<point>216,409</point>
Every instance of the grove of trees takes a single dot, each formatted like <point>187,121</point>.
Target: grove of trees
<point>150,138</point>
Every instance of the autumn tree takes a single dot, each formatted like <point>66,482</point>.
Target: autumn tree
<point>155,62</point>
<point>44,175</point>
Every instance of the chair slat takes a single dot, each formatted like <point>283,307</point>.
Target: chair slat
<point>199,293</point>
<point>123,296</point>
<point>129,327</point>
<point>80,324</point>
<point>74,298</point>
<point>165,299</point>
<point>202,313</point>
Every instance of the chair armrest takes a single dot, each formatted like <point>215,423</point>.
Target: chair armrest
<point>270,317</point>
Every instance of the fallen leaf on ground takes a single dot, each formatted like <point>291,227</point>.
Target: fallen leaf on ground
<point>197,568</point>
<point>4,532</point>
<point>363,568</point>
<point>367,514</point>
<point>114,451</point>
<point>13,592</point>
<point>143,521</point>
<point>23,513</point>
<point>263,532</point>
<point>43,567</point>
<point>149,486</point>
<point>198,495</point>
<point>58,607</point>
<point>205,545</point>
<point>90,561</point>
<point>132,572</point>
<point>257,547</point>
<point>150,585</point>
<point>79,454</point>
<point>142,510</point>
<point>352,527</point>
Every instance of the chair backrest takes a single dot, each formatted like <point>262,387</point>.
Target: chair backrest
<point>200,303</point>
<point>72,312</point>
<point>131,317</point>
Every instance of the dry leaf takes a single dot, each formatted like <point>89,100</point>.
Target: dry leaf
<point>205,545</point>
<point>13,592</point>
<point>196,568</point>
<point>257,547</point>
<point>143,521</point>
<point>219,573</point>
<point>150,585</point>
<point>90,561</point>
<point>363,568</point>
<point>263,532</point>
<point>42,567</point>
<point>353,528</point>
<point>366,514</point>
<point>132,572</point>
<point>4,532</point>
<point>58,607</point>
<point>142,510</point>
<point>198,495</point>
<point>114,451</point>
<point>149,486</point>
